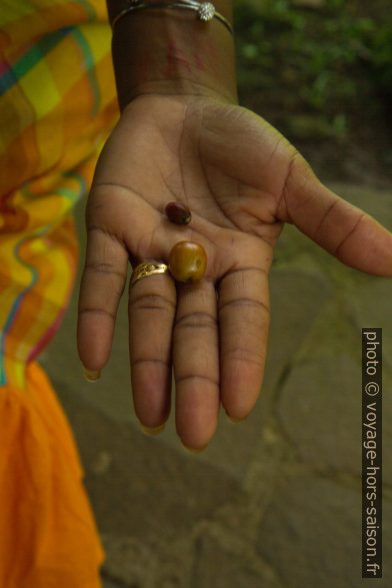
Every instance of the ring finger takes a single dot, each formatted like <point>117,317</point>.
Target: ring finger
<point>151,309</point>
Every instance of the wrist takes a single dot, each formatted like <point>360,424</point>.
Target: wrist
<point>169,51</point>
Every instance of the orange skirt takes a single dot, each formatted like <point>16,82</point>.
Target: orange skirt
<point>48,537</point>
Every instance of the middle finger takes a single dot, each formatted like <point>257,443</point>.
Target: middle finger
<point>196,363</point>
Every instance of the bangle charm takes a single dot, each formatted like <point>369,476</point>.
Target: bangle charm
<point>205,11</point>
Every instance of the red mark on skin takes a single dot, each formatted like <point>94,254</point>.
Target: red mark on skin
<point>176,58</point>
<point>207,56</point>
<point>214,58</point>
<point>144,65</point>
<point>199,62</point>
<point>197,59</point>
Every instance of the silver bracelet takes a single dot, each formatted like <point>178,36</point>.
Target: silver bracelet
<point>205,10</point>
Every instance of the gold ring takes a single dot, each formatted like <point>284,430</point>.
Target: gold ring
<point>148,268</point>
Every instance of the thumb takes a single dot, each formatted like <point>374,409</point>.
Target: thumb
<point>342,229</point>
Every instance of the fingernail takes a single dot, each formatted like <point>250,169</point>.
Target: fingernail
<point>193,449</point>
<point>234,419</point>
<point>153,430</point>
<point>91,375</point>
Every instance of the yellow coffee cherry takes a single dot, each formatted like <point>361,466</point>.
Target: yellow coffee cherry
<point>187,261</point>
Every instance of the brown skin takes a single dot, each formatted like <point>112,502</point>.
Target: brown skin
<point>242,181</point>
<point>171,52</point>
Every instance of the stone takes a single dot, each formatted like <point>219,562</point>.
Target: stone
<point>149,562</point>
<point>129,562</point>
<point>320,410</point>
<point>216,566</point>
<point>371,307</point>
<point>108,583</point>
<point>311,534</point>
<point>297,299</point>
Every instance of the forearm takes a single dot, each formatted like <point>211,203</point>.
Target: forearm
<point>169,51</point>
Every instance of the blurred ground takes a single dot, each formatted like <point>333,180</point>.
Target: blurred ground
<point>275,501</point>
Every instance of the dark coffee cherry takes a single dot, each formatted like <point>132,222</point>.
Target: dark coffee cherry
<point>178,213</point>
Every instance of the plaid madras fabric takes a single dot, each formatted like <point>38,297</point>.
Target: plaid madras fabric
<point>57,105</point>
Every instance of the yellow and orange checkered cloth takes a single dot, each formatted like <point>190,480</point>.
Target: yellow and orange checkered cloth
<point>57,106</point>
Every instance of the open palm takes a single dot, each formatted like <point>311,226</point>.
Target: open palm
<point>241,180</point>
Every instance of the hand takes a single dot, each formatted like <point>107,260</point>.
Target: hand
<point>242,180</point>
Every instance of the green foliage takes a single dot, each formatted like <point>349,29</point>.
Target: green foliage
<point>381,56</point>
<point>329,56</point>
